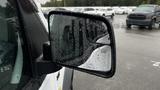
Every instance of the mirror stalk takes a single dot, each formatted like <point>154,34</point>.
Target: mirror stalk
<point>47,51</point>
<point>44,64</point>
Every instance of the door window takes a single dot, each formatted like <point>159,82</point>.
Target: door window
<point>8,43</point>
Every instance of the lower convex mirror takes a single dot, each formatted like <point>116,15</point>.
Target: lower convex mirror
<point>83,42</point>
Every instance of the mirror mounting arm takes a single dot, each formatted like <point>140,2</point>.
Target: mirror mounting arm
<point>47,51</point>
<point>44,64</point>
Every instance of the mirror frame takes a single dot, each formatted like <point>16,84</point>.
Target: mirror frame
<point>103,74</point>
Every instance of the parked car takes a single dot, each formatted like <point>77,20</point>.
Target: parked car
<point>90,11</point>
<point>108,12</point>
<point>133,7</point>
<point>119,10</point>
<point>127,10</point>
<point>144,15</point>
<point>80,9</point>
<point>97,11</point>
<point>28,52</point>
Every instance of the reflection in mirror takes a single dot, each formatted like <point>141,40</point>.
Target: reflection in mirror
<point>99,60</point>
<point>80,42</point>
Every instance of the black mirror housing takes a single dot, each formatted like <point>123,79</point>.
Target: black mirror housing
<point>82,42</point>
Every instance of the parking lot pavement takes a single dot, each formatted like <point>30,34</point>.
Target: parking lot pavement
<point>138,61</point>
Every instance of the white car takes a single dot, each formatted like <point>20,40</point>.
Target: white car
<point>78,10</point>
<point>119,11</point>
<point>89,11</point>
<point>97,11</point>
<point>133,7</point>
<point>109,12</point>
<point>127,10</point>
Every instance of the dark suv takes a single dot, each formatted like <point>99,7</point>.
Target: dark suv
<point>144,15</point>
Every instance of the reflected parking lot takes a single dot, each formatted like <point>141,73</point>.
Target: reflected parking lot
<point>138,58</point>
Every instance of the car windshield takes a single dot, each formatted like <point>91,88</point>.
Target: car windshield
<point>109,9</point>
<point>145,9</point>
<point>89,9</point>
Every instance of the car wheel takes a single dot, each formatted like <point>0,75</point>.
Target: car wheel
<point>103,15</point>
<point>128,26</point>
<point>152,24</point>
<point>112,16</point>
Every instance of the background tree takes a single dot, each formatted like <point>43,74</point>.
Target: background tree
<point>99,2</point>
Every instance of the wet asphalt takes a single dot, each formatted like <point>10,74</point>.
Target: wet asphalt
<point>138,61</point>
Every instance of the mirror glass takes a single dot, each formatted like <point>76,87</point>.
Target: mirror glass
<point>80,42</point>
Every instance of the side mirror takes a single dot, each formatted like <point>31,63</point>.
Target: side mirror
<point>82,42</point>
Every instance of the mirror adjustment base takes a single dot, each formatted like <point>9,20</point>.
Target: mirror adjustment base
<point>45,67</point>
<point>44,64</point>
